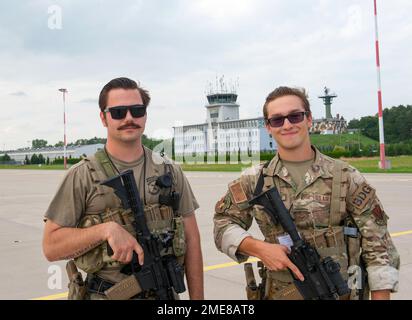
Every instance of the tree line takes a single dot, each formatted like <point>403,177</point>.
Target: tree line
<point>41,143</point>
<point>397,122</point>
<point>397,125</point>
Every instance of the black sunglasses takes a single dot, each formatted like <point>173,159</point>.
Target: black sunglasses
<point>295,117</point>
<point>119,112</point>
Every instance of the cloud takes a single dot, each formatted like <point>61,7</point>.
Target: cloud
<point>176,47</point>
<point>222,11</point>
<point>89,101</point>
<point>354,22</point>
<point>19,94</point>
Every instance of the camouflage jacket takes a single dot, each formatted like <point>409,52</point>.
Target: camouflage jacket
<point>309,206</point>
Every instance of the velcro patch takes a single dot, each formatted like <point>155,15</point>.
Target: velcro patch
<point>219,205</point>
<point>362,195</point>
<point>238,193</point>
<point>223,204</point>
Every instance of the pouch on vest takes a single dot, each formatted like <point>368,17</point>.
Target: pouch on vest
<point>329,242</point>
<point>280,286</point>
<point>92,260</point>
<point>77,287</point>
<point>179,240</point>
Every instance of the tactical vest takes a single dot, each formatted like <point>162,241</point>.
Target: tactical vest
<point>161,219</point>
<point>329,241</point>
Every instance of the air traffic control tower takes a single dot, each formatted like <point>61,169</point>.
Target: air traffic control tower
<point>222,104</point>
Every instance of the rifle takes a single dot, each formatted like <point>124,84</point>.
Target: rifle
<point>160,274</point>
<point>323,280</point>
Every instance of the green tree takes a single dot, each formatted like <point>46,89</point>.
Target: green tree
<point>59,144</point>
<point>354,124</point>
<point>41,159</point>
<point>38,143</point>
<point>370,127</point>
<point>150,143</point>
<point>397,125</point>
<point>34,159</point>
<point>82,142</point>
<point>5,158</point>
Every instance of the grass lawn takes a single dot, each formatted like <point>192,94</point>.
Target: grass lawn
<point>33,167</point>
<point>214,167</point>
<point>341,140</point>
<point>400,164</point>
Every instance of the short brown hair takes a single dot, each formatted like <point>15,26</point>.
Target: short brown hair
<point>286,91</point>
<point>123,83</point>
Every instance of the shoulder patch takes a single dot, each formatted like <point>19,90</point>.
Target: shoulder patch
<point>238,192</point>
<point>219,205</point>
<point>362,195</point>
<point>223,204</point>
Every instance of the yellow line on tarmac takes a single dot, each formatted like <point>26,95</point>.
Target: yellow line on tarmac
<point>397,234</point>
<point>53,296</point>
<point>226,265</point>
<point>206,268</point>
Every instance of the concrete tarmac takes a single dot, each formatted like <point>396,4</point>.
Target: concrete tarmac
<point>26,274</point>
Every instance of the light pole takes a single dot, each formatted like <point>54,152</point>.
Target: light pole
<point>64,91</point>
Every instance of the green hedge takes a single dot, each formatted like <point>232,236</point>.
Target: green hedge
<point>69,160</point>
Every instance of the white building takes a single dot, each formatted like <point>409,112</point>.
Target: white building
<point>223,131</point>
<point>55,152</point>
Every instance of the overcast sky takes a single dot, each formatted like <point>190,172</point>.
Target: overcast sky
<point>174,48</point>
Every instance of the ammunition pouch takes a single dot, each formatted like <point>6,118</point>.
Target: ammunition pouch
<point>356,271</point>
<point>279,286</point>
<point>329,242</point>
<point>252,290</point>
<point>98,288</point>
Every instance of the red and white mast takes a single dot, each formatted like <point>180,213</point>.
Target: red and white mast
<point>380,113</point>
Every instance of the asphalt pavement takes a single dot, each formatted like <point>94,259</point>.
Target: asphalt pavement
<point>26,274</point>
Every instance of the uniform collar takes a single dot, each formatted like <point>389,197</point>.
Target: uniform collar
<point>319,168</point>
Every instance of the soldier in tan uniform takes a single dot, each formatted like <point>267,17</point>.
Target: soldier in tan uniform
<point>85,217</point>
<point>334,208</point>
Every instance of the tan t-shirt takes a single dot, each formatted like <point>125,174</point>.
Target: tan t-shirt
<point>297,170</point>
<point>77,193</point>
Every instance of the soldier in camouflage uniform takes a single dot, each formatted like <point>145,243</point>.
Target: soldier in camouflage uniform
<point>85,217</point>
<point>323,196</point>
